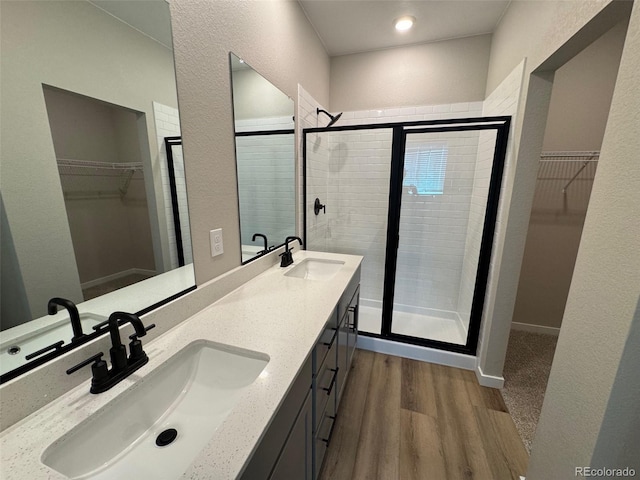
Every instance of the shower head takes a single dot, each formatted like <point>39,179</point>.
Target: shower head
<point>334,118</point>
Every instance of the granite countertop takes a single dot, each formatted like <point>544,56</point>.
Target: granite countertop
<point>274,314</point>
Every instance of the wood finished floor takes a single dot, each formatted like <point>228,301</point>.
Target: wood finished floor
<point>408,420</point>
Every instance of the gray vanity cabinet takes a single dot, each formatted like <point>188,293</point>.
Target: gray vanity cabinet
<point>331,370</point>
<point>294,445</point>
<point>282,449</point>
<point>296,460</point>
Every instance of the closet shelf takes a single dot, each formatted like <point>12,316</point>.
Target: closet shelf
<point>69,162</point>
<point>591,156</point>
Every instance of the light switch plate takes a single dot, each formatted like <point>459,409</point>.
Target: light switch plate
<point>217,247</point>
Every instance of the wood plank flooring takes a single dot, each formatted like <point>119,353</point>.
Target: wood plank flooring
<point>408,420</point>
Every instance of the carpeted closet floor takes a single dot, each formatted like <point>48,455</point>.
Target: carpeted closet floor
<point>526,372</point>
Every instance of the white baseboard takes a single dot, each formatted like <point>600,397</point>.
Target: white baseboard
<point>417,352</point>
<point>117,275</point>
<point>488,380</point>
<point>528,327</point>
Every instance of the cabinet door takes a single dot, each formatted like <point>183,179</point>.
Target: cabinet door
<point>295,461</point>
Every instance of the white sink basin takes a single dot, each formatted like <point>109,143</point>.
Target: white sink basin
<point>193,392</point>
<point>315,269</point>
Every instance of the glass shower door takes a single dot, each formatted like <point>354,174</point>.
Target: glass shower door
<point>348,171</point>
<point>443,200</point>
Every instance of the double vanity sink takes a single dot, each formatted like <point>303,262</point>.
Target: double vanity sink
<point>200,406</point>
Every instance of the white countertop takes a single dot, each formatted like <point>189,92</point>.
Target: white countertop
<point>273,314</point>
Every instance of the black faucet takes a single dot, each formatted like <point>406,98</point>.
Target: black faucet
<point>264,237</point>
<point>121,366</point>
<point>52,308</point>
<point>287,258</point>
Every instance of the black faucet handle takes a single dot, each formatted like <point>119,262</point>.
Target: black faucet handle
<point>317,207</point>
<point>96,359</point>
<point>146,329</point>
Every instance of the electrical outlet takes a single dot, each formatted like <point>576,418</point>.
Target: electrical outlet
<point>217,246</point>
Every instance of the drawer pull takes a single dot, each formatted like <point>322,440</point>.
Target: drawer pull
<point>328,439</point>
<point>333,380</point>
<point>333,338</point>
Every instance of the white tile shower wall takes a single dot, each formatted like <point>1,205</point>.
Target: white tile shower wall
<point>412,114</point>
<point>167,122</point>
<point>354,173</point>
<point>266,180</point>
<point>357,182</point>
<point>317,168</point>
<point>502,101</point>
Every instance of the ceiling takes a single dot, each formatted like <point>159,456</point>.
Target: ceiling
<point>354,26</point>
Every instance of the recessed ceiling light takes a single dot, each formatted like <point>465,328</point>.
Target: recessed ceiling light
<point>404,23</point>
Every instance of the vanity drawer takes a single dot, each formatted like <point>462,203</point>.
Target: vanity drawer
<point>326,383</point>
<point>328,339</point>
<point>324,432</point>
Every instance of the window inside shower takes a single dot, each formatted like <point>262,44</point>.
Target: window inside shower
<point>418,201</point>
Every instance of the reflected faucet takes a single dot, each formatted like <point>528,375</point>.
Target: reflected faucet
<point>287,258</point>
<point>264,237</point>
<point>52,308</point>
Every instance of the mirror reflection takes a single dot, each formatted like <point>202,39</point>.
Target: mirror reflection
<point>265,159</point>
<point>92,211</point>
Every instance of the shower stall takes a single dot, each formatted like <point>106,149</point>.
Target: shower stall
<point>419,201</point>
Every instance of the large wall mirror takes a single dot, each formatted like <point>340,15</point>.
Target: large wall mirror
<point>265,159</point>
<point>89,202</point>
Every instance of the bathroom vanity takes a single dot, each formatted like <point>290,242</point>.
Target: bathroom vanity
<point>282,344</point>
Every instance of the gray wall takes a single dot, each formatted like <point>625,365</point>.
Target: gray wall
<point>581,95</point>
<point>558,35</point>
<point>450,71</point>
<point>73,46</point>
<point>276,39</point>
<point>604,292</point>
<point>580,101</point>
<point>590,412</point>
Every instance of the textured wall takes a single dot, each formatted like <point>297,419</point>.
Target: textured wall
<point>450,71</point>
<point>551,43</point>
<point>581,95</point>
<point>276,39</point>
<point>590,411</point>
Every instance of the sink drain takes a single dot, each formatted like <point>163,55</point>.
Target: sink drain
<point>166,437</point>
<point>13,350</point>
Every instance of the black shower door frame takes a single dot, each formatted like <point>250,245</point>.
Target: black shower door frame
<point>501,125</point>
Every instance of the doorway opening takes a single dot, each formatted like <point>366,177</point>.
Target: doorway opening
<point>578,111</point>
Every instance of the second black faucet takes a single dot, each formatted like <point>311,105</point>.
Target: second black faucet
<point>287,258</point>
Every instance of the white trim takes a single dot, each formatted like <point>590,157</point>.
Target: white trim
<point>417,352</point>
<point>117,275</point>
<point>488,380</point>
<point>528,327</point>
